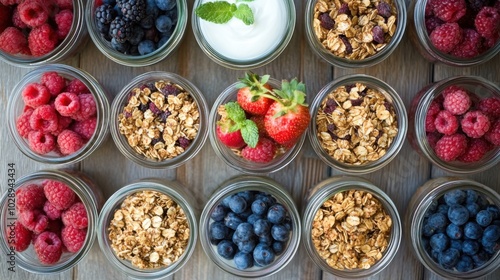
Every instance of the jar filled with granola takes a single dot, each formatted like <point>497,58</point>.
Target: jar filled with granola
<point>358,125</point>
<point>159,120</point>
<point>148,229</point>
<point>354,34</point>
<point>367,215</point>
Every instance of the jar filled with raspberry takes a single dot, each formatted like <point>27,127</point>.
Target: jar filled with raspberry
<point>455,124</point>
<point>456,32</point>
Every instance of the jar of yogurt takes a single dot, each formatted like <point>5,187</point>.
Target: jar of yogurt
<point>237,45</point>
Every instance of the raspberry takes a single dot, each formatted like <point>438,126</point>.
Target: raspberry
<point>76,216</point>
<point>51,211</point>
<point>10,2</point>
<point>446,37</point>
<point>69,142</point>
<point>16,20</point>
<point>48,247</point>
<point>87,107</point>
<point>456,101</point>
<point>476,149</point>
<point>449,10</point>
<point>475,124</point>
<point>63,123</point>
<point>432,138</point>
<point>44,119</point>
<point>13,41</point>
<point>470,45</point>
<point>446,123</point>
<point>67,104</point>
<point>22,237</point>
<point>431,23</point>
<point>40,142</point>
<point>65,4</point>
<point>59,194</point>
<point>4,17</point>
<point>85,128</point>
<point>33,12</point>
<point>432,112</point>
<point>263,152</point>
<point>35,95</point>
<point>33,220</point>
<point>73,238</point>
<point>450,147</point>
<point>490,107</point>
<point>487,22</point>
<point>54,82</point>
<point>30,197</point>
<point>23,123</point>
<point>42,40</point>
<point>63,20</point>
<point>76,86</point>
<point>493,135</point>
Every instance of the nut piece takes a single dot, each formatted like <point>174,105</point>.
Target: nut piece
<point>146,236</point>
<point>351,230</point>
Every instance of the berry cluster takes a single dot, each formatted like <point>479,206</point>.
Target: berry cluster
<point>463,28</point>
<point>34,27</point>
<point>250,228</point>
<point>51,216</point>
<point>461,230</point>
<point>59,115</point>
<point>461,127</point>
<point>136,27</point>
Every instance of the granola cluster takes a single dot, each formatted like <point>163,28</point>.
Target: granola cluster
<point>149,229</point>
<point>160,120</point>
<point>356,124</point>
<point>354,29</point>
<point>351,230</point>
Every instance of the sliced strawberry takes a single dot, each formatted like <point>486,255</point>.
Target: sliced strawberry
<point>251,91</point>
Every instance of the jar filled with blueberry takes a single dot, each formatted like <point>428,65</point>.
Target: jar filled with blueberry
<point>250,227</point>
<point>454,227</point>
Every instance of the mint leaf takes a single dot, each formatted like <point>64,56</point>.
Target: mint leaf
<point>250,133</point>
<point>235,112</point>
<point>244,13</point>
<point>244,1</point>
<point>216,12</point>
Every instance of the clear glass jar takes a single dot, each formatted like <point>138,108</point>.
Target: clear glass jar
<point>421,201</point>
<point>236,161</point>
<point>391,96</point>
<point>122,99</point>
<point>251,183</point>
<point>89,194</point>
<point>420,104</point>
<point>15,108</point>
<point>139,60</point>
<point>263,31</point>
<point>73,43</point>
<point>175,191</point>
<point>328,188</point>
<point>421,40</point>
<point>337,61</point>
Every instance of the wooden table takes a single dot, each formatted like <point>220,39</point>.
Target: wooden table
<point>405,70</point>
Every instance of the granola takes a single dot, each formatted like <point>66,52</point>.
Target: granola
<point>149,229</point>
<point>351,230</point>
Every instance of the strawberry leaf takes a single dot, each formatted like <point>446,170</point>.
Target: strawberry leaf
<point>235,112</point>
<point>250,133</point>
<point>264,79</point>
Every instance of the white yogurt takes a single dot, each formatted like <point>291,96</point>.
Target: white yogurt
<point>238,41</point>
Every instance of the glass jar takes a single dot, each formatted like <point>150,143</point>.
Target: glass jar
<point>16,107</point>
<point>327,189</point>
<point>122,99</point>
<point>421,40</point>
<point>74,41</point>
<point>391,96</point>
<point>425,198</point>
<point>251,183</point>
<point>247,46</point>
<point>137,60</point>
<point>89,194</point>
<point>178,194</point>
<point>342,62</point>
<point>417,135</point>
<point>235,160</point>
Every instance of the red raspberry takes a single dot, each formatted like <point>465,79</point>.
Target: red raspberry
<point>59,194</point>
<point>490,42</point>
<point>35,95</point>
<point>431,23</point>
<point>76,86</point>
<point>446,123</point>
<point>63,123</point>
<point>76,216</point>
<point>487,22</point>
<point>23,123</point>
<point>63,19</point>
<point>87,107</point>
<point>22,237</point>
<point>476,149</point>
<point>33,220</point>
<point>40,142</point>
<point>30,197</point>
<point>449,10</point>
<point>65,4</point>
<point>446,37</point>
<point>432,139</point>
<point>13,41</point>
<point>475,124</point>
<point>48,247</point>
<point>85,128</point>
<point>54,82</point>
<point>10,2</point>
<point>450,147</point>
<point>263,152</point>
<point>73,238</point>
<point>4,17</point>
<point>490,107</point>
<point>44,119</point>
<point>457,101</point>
<point>470,45</point>
<point>434,109</point>
<point>42,40</point>
<point>51,211</point>
<point>67,104</point>
<point>493,135</point>
<point>69,142</point>
<point>33,12</point>
<point>16,20</point>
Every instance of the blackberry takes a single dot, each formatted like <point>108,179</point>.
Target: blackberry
<point>120,29</point>
<point>104,14</point>
<point>133,10</point>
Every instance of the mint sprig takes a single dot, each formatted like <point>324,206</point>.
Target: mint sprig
<point>222,11</point>
<point>248,128</point>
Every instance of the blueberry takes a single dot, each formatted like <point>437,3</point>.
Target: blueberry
<point>246,246</point>
<point>163,23</point>
<point>480,258</point>
<point>494,211</point>
<point>288,223</point>
<point>490,247</point>
<point>276,213</point>
<point>439,242</point>
<point>225,201</point>
<point>244,231</point>
<point>148,21</point>
<point>253,218</point>
<point>247,195</point>
<point>472,230</point>
<point>278,247</point>
<point>432,207</point>
<point>165,5</point>
<point>263,254</point>
<point>137,35</point>
<point>152,8</point>
<point>121,47</point>
<point>268,199</point>
<point>244,260</point>
<point>266,239</point>
<point>470,247</point>
<point>245,214</point>
<point>438,221</point>
<point>484,218</point>
<point>259,207</point>
<point>449,258</point>
<point>218,230</point>
<point>454,232</point>
<point>464,264</point>
<point>226,249</point>
<point>146,47</point>
<point>482,202</point>
<point>232,220</point>
<point>458,214</point>
<point>279,233</point>
<point>173,15</point>
<point>454,197</point>
<point>262,227</point>
<point>473,209</point>
<point>470,196</point>
<point>457,244</point>
<point>428,231</point>
<point>491,233</point>
<point>435,255</point>
<point>218,213</point>
<point>443,208</point>
<point>237,204</point>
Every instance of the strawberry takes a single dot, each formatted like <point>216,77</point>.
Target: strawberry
<point>234,129</point>
<point>231,139</point>
<point>263,152</point>
<point>251,91</point>
<point>259,121</point>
